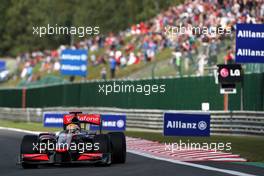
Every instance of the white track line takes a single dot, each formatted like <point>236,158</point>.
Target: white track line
<point>19,130</point>
<point>232,172</point>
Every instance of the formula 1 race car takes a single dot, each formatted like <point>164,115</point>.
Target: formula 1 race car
<point>75,144</point>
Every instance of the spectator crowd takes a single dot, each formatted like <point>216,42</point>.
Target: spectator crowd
<point>141,42</point>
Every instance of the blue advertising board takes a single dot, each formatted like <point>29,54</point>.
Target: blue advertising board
<point>2,65</point>
<point>74,62</point>
<point>249,43</point>
<point>53,119</point>
<point>112,123</point>
<point>180,124</point>
<point>109,122</point>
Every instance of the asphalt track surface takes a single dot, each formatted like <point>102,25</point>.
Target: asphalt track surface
<point>135,166</point>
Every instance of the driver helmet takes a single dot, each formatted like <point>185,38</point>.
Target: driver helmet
<point>73,128</point>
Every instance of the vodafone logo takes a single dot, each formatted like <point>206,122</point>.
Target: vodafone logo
<point>224,72</point>
<point>67,118</point>
<point>88,118</point>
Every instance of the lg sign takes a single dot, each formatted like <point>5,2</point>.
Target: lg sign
<point>229,73</point>
<point>235,72</point>
<point>224,72</point>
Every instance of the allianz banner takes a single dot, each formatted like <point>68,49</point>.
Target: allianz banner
<point>111,123</point>
<point>2,65</point>
<point>184,124</point>
<point>74,62</point>
<point>249,43</point>
<point>53,119</point>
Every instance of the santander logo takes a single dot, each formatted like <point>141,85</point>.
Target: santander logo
<point>224,72</point>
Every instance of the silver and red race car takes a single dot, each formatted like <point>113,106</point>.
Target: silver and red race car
<point>75,144</point>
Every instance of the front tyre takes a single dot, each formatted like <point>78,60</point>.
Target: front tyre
<point>26,147</point>
<point>104,146</point>
<point>118,145</point>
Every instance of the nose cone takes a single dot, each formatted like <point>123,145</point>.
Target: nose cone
<point>62,150</point>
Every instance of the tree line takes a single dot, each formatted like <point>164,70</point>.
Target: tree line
<point>18,17</point>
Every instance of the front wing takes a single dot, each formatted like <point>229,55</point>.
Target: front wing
<point>65,158</point>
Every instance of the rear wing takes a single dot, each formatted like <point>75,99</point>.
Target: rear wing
<point>94,119</point>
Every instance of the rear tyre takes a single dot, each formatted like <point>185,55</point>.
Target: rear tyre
<point>27,147</point>
<point>118,145</point>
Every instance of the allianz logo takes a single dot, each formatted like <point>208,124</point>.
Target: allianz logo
<point>82,57</point>
<point>119,123</point>
<point>53,120</point>
<point>201,125</point>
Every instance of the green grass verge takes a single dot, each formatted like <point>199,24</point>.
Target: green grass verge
<point>250,148</point>
<point>32,126</point>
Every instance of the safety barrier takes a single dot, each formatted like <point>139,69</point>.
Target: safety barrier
<point>186,93</point>
<point>222,122</point>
